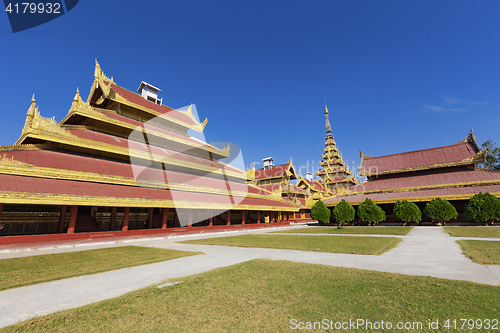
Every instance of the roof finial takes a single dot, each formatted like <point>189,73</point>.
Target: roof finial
<point>77,96</point>
<point>328,126</point>
<point>33,100</point>
<point>97,71</point>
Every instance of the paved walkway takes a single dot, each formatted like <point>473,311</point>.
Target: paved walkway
<point>427,251</point>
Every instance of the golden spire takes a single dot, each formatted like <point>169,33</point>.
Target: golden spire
<point>327,125</point>
<point>33,100</point>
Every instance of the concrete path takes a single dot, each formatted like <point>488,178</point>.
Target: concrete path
<point>427,251</point>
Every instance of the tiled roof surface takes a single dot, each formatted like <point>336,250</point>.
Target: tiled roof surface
<point>276,171</point>
<point>420,158</point>
<point>150,127</point>
<point>76,188</point>
<point>424,194</point>
<point>314,185</point>
<point>109,139</point>
<point>139,100</point>
<point>452,177</point>
<point>64,161</point>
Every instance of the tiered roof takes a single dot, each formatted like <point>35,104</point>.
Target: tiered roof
<point>121,150</point>
<point>279,172</point>
<point>335,173</point>
<point>313,188</point>
<point>448,172</point>
<point>276,180</point>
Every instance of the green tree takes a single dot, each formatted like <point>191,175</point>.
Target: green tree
<point>320,212</point>
<point>492,156</point>
<point>406,212</point>
<point>483,208</point>
<point>440,210</point>
<point>370,213</point>
<point>343,212</point>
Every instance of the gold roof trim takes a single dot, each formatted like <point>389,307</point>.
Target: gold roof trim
<point>26,147</point>
<point>9,166</point>
<point>73,140</point>
<point>11,197</point>
<point>428,187</point>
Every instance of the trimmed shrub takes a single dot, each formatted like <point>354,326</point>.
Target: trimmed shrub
<point>406,212</point>
<point>343,212</point>
<point>370,213</point>
<point>440,210</point>
<point>483,208</point>
<point>320,212</point>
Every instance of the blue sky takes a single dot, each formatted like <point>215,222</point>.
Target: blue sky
<point>397,75</point>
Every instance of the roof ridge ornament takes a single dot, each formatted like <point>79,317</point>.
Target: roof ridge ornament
<point>471,138</point>
<point>34,122</point>
<point>77,95</point>
<point>101,78</point>
<point>6,161</point>
<point>189,113</point>
<point>251,173</point>
<point>30,115</point>
<point>363,156</point>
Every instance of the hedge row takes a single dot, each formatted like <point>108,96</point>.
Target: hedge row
<point>482,208</point>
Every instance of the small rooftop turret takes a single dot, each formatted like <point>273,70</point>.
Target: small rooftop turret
<point>268,162</point>
<point>150,92</point>
<point>309,176</point>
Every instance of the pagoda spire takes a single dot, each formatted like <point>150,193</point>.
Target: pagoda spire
<point>328,126</point>
<point>335,173</point>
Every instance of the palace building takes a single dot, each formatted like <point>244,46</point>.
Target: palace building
<point>121,161</point>
<point>276,180</point>
<point>447,172</point>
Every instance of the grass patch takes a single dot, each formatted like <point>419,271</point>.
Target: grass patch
<point>350,245</point>
<point>480,232</point>
<point>400,231</point>
<point>17,272</point>
<point>481,252</point>
<point>264,296</point>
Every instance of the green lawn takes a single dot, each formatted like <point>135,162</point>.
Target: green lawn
<point>400,231</point>
<point>24,271</point>
<point>266,296</point>
<point>481,252</point>
<point>481,232</point>
<point>333,244</point>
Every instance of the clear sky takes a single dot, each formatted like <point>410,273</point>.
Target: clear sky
<point>397,75</point>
